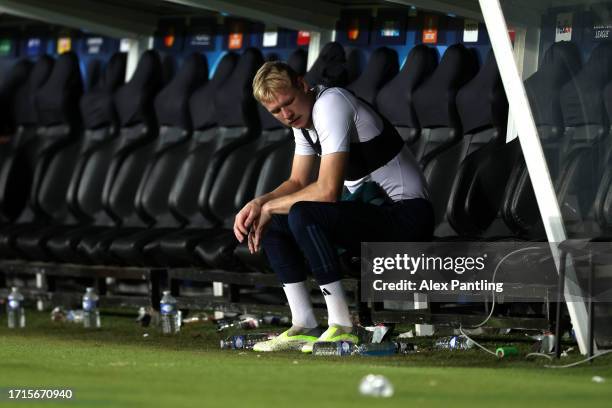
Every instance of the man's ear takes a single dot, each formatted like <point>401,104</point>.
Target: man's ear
<point>303,84</point>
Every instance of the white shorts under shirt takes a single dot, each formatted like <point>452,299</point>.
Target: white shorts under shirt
<point>341,119</point>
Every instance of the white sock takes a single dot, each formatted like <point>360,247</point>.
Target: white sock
<point>337,308</point>
<point>298,296</point>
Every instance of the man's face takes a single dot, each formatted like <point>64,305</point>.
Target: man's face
<point>292,106</point>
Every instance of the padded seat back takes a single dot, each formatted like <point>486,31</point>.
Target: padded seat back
<point>57,104</point>
<point>22,152</point>
<point>172,145</point>
<point>560,63</point>
<point>206,141</point>
<point>136,118</point>
<point>585,144</point>
<point>382,66</point>
<point>329,69</point>
<point>100,145</point>
<point>479,183</point>
<point>396,99</point>
<point>16,76</point>
<point>229,166</point>
<point>435,102</point>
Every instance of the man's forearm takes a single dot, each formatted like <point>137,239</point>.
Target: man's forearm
<point>312,192</point>
<point>286,188</point>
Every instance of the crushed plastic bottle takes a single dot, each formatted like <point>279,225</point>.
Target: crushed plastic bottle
<point>453,343</point>
<point>15,310</point>
<point>333,348</point>
<point>376,349</point>
<point>245,341</point>
<point>376,386</point>
<point>91,314</point>
<point>170,318</point>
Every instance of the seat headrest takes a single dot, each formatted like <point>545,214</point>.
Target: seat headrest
<point>435,99</point>
<point>15,77</point>
<point>114,74</point>
<point>482,102</point>
<point>57,101</point>
<point>396,99</point>
<point>25,94</point>
<point>172,103</point>
<point>560,63</point>
<point>298,61</point>
<point>93,75</point>
<point>382,66</point>
<point>97,107</point>
<point>355,61</point>
<point>202,102</point>
<point>134,100</point>
<point>330,67</point>
<point>234,101</point>
<point>581,98</point>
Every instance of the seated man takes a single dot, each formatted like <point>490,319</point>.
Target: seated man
<point>304,218</point>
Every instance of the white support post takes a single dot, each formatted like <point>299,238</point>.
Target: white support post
<point>317,40</point>
<point>534,156</point>
<point>136,47</point>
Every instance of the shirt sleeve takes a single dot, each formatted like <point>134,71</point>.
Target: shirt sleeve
<point>334,119</point>
<point>302,147</point>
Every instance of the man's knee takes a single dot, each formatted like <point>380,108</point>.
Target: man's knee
<point>300,215</point>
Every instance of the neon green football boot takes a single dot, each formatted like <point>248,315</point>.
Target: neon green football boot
<point>293,339</point>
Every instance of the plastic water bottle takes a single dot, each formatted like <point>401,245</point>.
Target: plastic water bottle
<point>333,348</point>
<point>454,343</point>
<point>246,341</point>
<point>14,309</point>
<point>376,349</point>
<point>91,314</point>
<point>170,319</point>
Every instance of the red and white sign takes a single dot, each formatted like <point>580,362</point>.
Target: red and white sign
<point>563,31</point>
<point>234,41</point>
<point>303,38</point>
<point>430,30</point>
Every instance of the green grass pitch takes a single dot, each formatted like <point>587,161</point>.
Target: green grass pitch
<point>117,366</point>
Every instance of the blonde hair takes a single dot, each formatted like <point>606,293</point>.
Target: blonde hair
<point>271,77</point>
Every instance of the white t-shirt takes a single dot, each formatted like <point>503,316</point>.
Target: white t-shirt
<point>341,119</point>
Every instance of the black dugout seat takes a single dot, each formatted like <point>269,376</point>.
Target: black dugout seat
<point>15,77</point>
<point>396,99</point>
<point>480,182</point>
<point>93,74</point>
<point>171,147</point>
<point>230,163</point>
<point>101,153</point>
<point>133,104</point>
<point>329,69</point>
<point>585,145</point>
<point>58,119</point>
<point>438,149</point>
<point>560,63</point>
<point>435,103</point>
<point>97,145</point>
<point>382,66</point>
<point>235,109</point>
<point>13,192</point>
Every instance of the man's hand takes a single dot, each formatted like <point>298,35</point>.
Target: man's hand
<point>259,227</point>
<point>245,218</point>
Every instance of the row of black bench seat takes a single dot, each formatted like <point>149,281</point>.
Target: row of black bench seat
<point>168,196</point>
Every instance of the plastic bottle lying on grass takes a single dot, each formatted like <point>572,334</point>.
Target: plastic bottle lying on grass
<point>453,343</point>
<point>346,348</point>
<point>245,341</point>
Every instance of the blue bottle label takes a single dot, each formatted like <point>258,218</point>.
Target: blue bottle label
<point>166,308</point>
<point>89,305</point>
